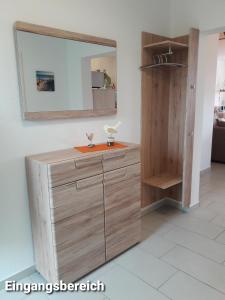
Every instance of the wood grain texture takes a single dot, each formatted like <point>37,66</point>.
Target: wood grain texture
<point>154,122</point>
<point>190,116</point>
<point>80,243</point>
<point>163,181</point>
<point>177,105</point>
<point>68,220</point>
<point>79,226</point>
<point>82,258</point>
<point>164,114</point>
<point>121,158</point>
<point>58,33</point>
<point>166,44</point>
<point>122,208</point>
<point>49,31</point>
<point>72,170</point>
<point>45,259</point>
<point>67,114</point>
<point>104,99</point>
<point>123,239</point>
<point>74,198</point>
<point>72,154</point>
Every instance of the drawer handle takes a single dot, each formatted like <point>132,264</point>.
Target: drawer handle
<point>114,155</point>
<point>82,163</point>
<point>122,175</point>
<point>83,184</point>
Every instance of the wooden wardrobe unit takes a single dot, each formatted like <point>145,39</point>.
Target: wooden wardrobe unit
<point>168,117</point>
<point>85,208</point>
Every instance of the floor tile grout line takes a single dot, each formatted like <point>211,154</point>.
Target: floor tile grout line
<point>177,271</point>
<point>194,251</point>
<point>194,277</point>
<point>158,257</point>
<point>219,234</point>
<point>134,274</point>
<point>195,231</point>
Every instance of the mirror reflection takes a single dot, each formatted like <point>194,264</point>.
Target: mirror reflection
<point>58,74</point>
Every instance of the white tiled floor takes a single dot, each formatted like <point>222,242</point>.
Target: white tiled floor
<point>181,257</point>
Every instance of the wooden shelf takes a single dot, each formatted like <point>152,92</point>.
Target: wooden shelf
<point>163,181</point>
<point>165,45</point>
<point>166,66</point>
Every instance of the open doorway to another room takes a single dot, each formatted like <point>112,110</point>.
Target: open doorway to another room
<point>212,187</point>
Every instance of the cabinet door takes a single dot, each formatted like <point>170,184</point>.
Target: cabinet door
<point>190,117</point>
<point>79,239</point>
<point>122,209</point>
<point>74,198</point>
<point>104,99</point>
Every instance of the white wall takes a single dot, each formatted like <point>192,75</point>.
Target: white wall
<point>42,53</point>
<point>208,16</point>
<point>80,86</point>
<point>207,85</point>
<point>119,20</point>
<point>107,63</point>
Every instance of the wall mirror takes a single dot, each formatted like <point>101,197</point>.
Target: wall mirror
<point>64,74</point>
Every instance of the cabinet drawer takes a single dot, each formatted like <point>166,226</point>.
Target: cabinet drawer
<point>123,239</point>
<point>72,170</point>
<point>74,198</point>
<point>120,158</point>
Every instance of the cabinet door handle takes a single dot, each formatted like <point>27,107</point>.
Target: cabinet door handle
<point>114,155</point>
<point>117,176</point>
<point>89,182</point>
<point>82,163</point>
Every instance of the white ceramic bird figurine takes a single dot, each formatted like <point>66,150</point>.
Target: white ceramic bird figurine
<point>110,130</point>
<point>90,137</point>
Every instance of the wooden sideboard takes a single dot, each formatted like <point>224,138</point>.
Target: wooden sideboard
<point>85,208</point>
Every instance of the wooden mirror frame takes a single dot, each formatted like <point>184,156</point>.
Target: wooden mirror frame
<point>49,31</point>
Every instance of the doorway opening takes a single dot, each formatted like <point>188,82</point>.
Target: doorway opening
<point>212,178</point>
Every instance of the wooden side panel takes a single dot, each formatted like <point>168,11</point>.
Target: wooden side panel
<point>190,116</point>
<point>177,106</point>
<point>45,261</point>
<point>155,106</point>
<point>177,110</point>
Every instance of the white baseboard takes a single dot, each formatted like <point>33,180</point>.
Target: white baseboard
<point>18,276</point>
<point>205,171</point>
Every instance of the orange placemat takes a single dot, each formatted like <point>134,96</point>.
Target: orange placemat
<point>100,147</point>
